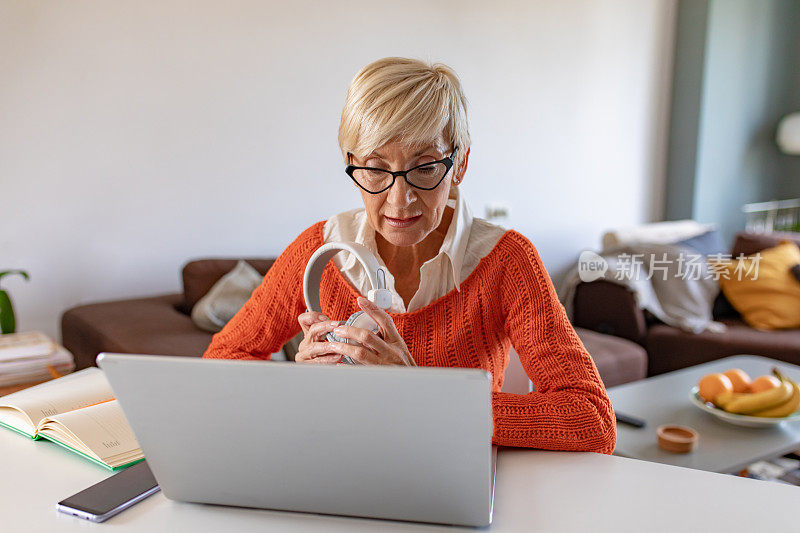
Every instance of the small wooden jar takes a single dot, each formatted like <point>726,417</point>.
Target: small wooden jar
<point>676,439</point>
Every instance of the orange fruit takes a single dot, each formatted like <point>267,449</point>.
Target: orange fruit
<point>739,378</point>
<point>711,385</point>
<point>762,383</point>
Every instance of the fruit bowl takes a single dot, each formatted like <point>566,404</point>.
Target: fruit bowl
<point>738,420</point>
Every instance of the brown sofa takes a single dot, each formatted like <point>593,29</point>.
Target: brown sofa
<point>610,308</point>
<point>163,325</point>
<point>152,325</point>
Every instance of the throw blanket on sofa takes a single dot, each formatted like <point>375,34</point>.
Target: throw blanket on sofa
<point>672,282</point>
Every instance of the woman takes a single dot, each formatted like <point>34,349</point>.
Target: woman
<point>464,290</point>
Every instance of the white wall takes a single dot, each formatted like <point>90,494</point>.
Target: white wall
<point>135,135</point>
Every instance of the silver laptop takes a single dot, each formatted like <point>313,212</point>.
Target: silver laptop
<point>384,442</point>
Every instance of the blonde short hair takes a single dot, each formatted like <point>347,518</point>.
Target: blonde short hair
<point>396,98</point>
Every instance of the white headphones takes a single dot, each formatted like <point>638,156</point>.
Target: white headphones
<point>379,294</point>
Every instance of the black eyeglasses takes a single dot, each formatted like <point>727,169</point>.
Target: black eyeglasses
<point>427,176</point>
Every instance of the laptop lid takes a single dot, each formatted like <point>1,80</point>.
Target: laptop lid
<point>384,442</point>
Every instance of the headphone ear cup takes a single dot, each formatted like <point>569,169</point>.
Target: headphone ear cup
<point>364,321</point>
<point>359,319</point>
<point>353,318</point>
<point>349,322</point>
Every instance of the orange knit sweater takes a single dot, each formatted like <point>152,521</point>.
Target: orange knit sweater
<point>507,300</point>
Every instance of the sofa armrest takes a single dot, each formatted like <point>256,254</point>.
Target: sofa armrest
<point>609,308</point>
<point>143,325</point>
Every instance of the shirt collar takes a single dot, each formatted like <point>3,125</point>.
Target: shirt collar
<point>454,245</point>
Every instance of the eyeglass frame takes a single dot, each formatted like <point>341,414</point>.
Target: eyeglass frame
<point>447,161</point>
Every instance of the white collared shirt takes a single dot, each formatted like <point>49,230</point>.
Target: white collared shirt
<point>467,240</point>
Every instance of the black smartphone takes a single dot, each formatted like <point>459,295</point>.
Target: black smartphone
<point>112,495</point>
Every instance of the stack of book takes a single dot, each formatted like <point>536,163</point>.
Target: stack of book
<point>32,356</point>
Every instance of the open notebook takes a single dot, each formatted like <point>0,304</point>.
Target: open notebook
<point>78,412</point>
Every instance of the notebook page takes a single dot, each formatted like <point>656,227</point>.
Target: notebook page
<point>102,428</point>
<point>73,391</point>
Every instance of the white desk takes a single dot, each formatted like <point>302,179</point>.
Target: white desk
<point>535,491</point>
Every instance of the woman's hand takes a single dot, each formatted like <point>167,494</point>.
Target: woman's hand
<point>314,348</point>
<point>374,350</point>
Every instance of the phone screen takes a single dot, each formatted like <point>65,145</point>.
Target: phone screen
<point>114,491</point>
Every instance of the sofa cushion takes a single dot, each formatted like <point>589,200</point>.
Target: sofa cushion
<point>748,244</point>
<point>200,275</point>
<point>764,290</point>
<point>670,349</point>
<point>617,360</point>
<point>151,325</point>
<point>226,297</point>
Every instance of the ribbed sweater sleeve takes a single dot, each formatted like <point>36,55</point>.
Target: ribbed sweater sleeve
<point>269,318</point>
<point>570,409</point>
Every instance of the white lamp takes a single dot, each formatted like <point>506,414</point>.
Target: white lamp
<point>788,137</point>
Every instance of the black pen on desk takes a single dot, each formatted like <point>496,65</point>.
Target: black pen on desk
<point>630,420</point>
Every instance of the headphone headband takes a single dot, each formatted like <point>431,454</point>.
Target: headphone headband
<point>318,261</point>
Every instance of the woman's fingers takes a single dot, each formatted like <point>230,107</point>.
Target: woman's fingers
<point>308,318</point>
<point>381,317</point>
<point>314,350</point>
<point>359,354</point>
<point>371,348</point>
<point>364,337</point>
<point>316,332</point>
<point>334,359</point>
<point>382,351</point>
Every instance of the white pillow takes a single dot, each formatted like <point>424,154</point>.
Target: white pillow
<point>226,297</point>
<point>656,233</point>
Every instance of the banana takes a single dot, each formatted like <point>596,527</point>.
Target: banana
<point>786,408</point>
<point>724,398</point>
<point>760,401</point>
